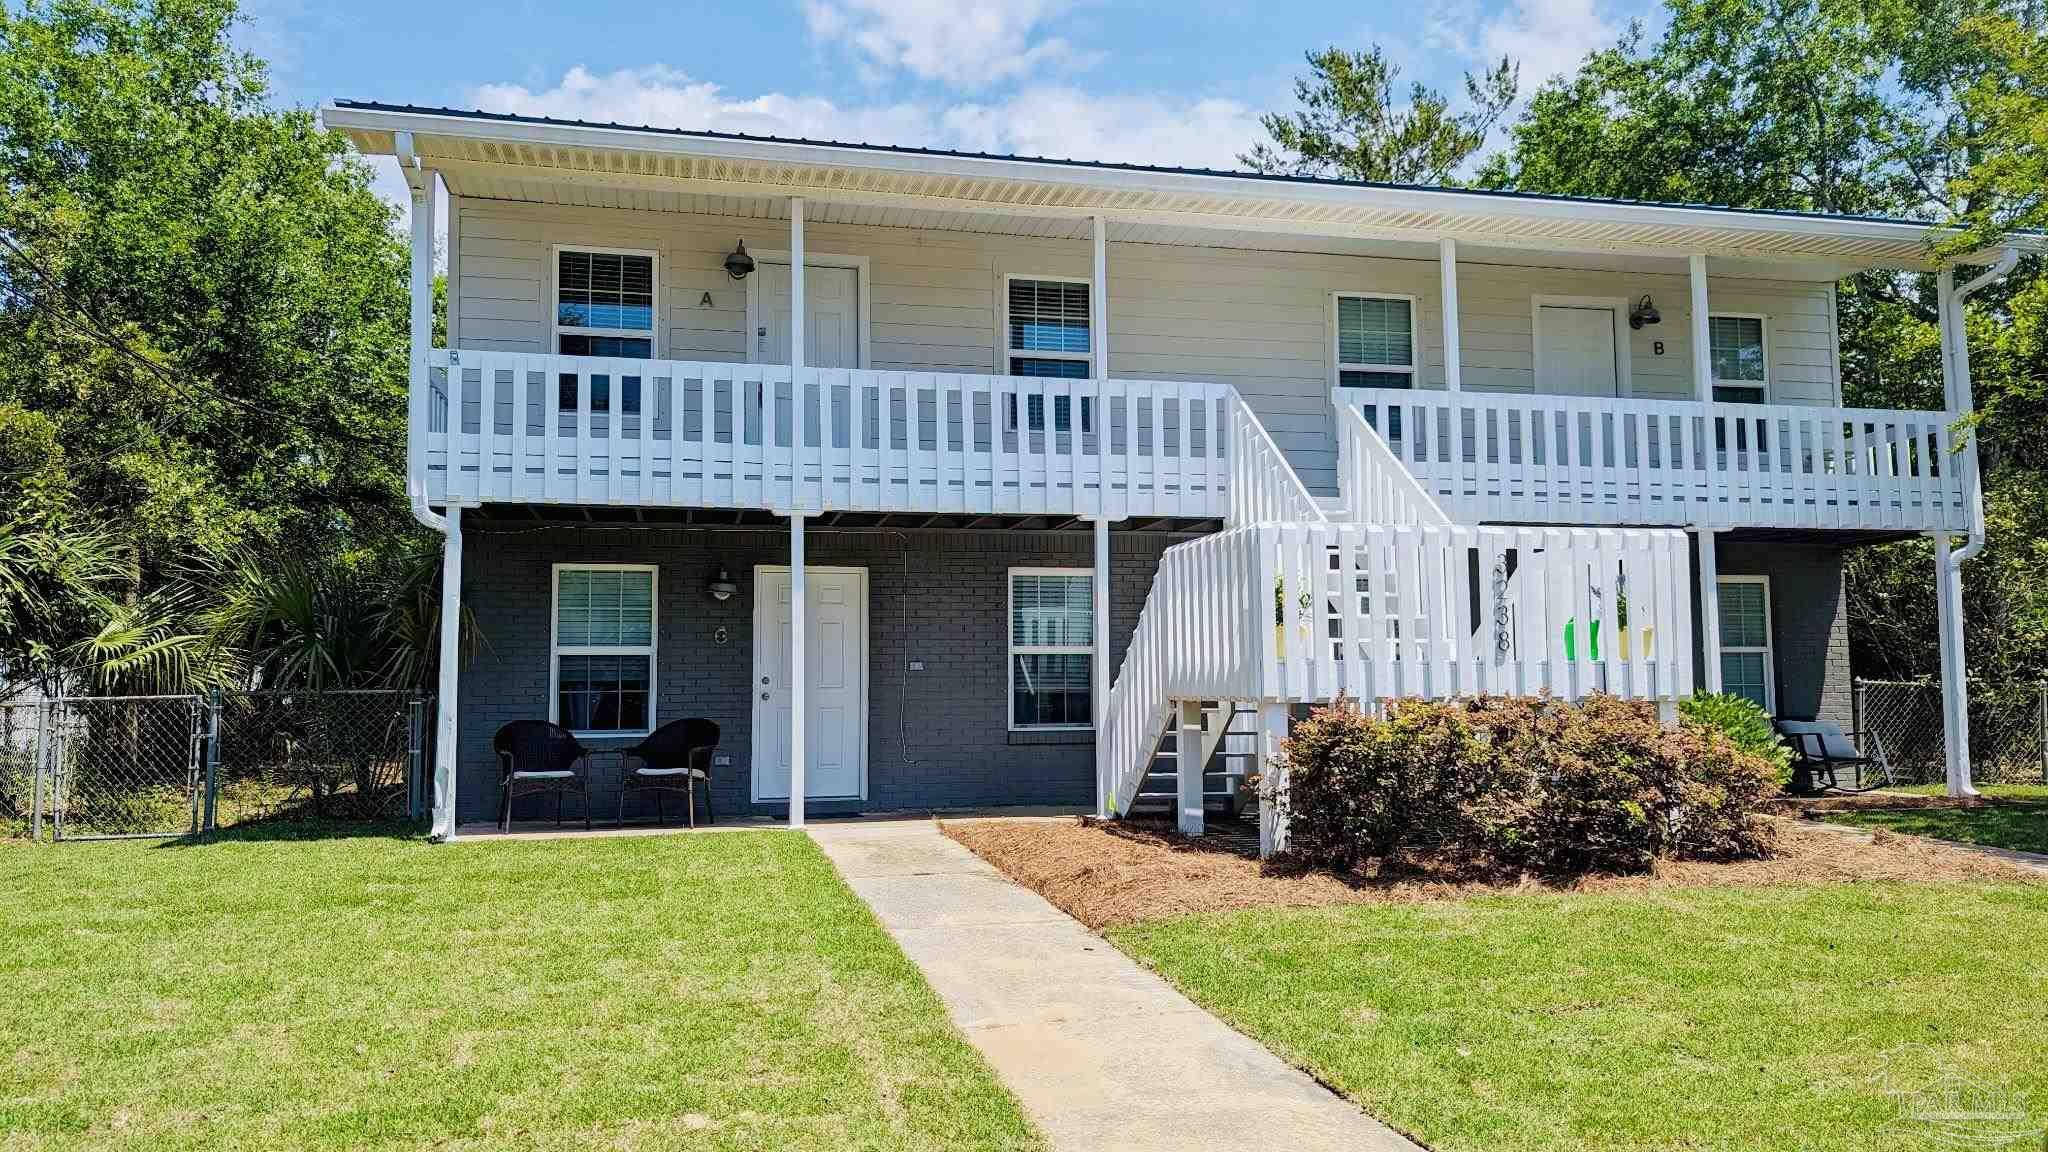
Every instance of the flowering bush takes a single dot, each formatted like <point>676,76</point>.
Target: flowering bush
<point>1528,783</point>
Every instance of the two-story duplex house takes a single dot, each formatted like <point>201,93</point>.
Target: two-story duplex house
<point>940,479</point>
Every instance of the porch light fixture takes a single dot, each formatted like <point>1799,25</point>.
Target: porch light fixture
<point>722,586</point>
<point>1645,312</point>
<point>739,265</point>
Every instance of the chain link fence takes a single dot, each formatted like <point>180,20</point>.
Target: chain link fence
<point>115,766</point>
<point>2008,730</point>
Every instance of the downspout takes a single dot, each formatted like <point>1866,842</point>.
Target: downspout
<point>1965,403</point>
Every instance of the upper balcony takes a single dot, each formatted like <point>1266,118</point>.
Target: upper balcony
<point>1502,458</point>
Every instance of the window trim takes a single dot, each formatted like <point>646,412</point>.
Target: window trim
<point>1763,338</point>
<point>1012,650</point>
<point>1337,365</point>
<point>559,329</point>
<point>651,649</point>
<point>1769,648</point>
<point>1007,353</point>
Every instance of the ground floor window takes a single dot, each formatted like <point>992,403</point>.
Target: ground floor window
<point>603,649</point>
<point>1746,639</point>
<point>1052,648</point>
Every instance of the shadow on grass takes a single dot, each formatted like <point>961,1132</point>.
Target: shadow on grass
<point>303,830</point>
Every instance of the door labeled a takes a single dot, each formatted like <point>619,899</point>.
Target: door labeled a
<point>831,311</point>
<point>835,651</point>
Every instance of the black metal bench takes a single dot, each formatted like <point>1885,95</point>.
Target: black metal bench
<point>1821,750</point>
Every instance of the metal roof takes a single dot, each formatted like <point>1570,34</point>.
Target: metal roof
<point>519,157</point>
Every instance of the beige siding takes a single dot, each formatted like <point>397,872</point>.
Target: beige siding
<point>1259,321</point>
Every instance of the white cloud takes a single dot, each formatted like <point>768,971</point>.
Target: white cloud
<point>1547,37</point>
<point>1046,120</point>
<point>961,43</point>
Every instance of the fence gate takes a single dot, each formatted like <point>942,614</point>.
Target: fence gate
<point>125,766</point>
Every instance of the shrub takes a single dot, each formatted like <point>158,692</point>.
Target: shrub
<point>1528,783</point>
<point>1741,720</point>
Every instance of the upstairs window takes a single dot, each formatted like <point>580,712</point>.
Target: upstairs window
<point>604,303</point>
<point>1375,341</point>
<point>1741,370</point>
<point>1052,647</point>
<point>1047,325</point>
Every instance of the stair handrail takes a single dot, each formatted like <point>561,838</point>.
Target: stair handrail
<point>1378,488</point>
<point>1264,487</point>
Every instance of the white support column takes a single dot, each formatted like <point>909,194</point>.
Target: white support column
<point>1188,743</point>
<point>796,282</point>
<point>423,193</point>
<point>1273,787</point>
<point>1955,683</point>
<point>1702,340</point>
<point>1447,260</point>
<point>799,670</point>
<point>1098,300</point>
<point>1101,686</point>
<point>445,701</point>
<point>1710,609</point>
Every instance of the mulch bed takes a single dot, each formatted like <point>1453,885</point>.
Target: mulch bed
<point>1109,873</point>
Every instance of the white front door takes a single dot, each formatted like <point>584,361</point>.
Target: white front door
<point>836,650</point>
<point>831,308</point>
<point>1575,351</point>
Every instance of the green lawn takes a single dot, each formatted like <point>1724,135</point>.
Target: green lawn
<point>1753,1019</point>
<point>711,991</point>
<point>2021,822</point>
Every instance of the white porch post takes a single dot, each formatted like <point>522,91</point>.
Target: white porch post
<point>1447,259</point>
<point>1273,787</point>
<point>799,671</point>
<point>1098,300</point>
<point>1702,339</point>
<point>796,282</point>
<point>1188,741</point>
<point>423,194</point>
<point>1101,688</point>
<point>1710,608</point>
<point>1955,681</point>
<point>445,757</point>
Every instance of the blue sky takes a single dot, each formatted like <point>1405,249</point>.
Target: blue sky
<point>1086,80</point>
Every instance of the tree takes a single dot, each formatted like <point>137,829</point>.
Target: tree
<point>1348,124</point>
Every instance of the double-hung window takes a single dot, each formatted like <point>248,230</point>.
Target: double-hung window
<point>603,648</point>
<point>1376,347</point>
<point>1741,368</point>
<point>1052,648</point>
<point>604,306</point>
<point>1746,639</point>
<point>1046,333</point>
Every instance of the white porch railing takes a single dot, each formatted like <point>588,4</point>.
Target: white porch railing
<point>579,430</point>
<point>1581,460</point>
<point>1377,488</point>
<point>1309,612</point>
<point>1263,485</point>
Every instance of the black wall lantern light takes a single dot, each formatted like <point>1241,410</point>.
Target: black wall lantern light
<point>739,265</point>
<point>1645,312</point>
<point>722,586</point>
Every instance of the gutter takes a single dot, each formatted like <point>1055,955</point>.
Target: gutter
<point>1959,361</point>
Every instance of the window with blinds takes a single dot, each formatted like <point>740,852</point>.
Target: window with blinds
<point>1736,347</point>
<point>604,303</point>
<point>1052,646</point>
<point>1746,639</point>
<point>604,649</point>
<point>1047,325</point>
<point>1375,341</point>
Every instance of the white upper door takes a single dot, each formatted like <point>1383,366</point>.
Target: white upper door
<point>835,648</point>
<point>1575,351</point>
<point>832,308</point>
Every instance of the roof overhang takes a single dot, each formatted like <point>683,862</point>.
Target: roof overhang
<point>482,154</point>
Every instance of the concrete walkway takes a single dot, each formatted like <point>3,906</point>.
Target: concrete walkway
<point>1102,1053</point>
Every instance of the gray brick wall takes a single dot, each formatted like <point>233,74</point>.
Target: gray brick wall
<point>936,738</point>
<point>1809,622</point>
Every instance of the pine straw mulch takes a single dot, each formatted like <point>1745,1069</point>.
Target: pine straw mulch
<point>1106,874</point>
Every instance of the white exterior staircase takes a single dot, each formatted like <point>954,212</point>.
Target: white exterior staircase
<point>1374,597</point>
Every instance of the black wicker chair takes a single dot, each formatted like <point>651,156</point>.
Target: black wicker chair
<point>536,756</point>
<point>674,757</point>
